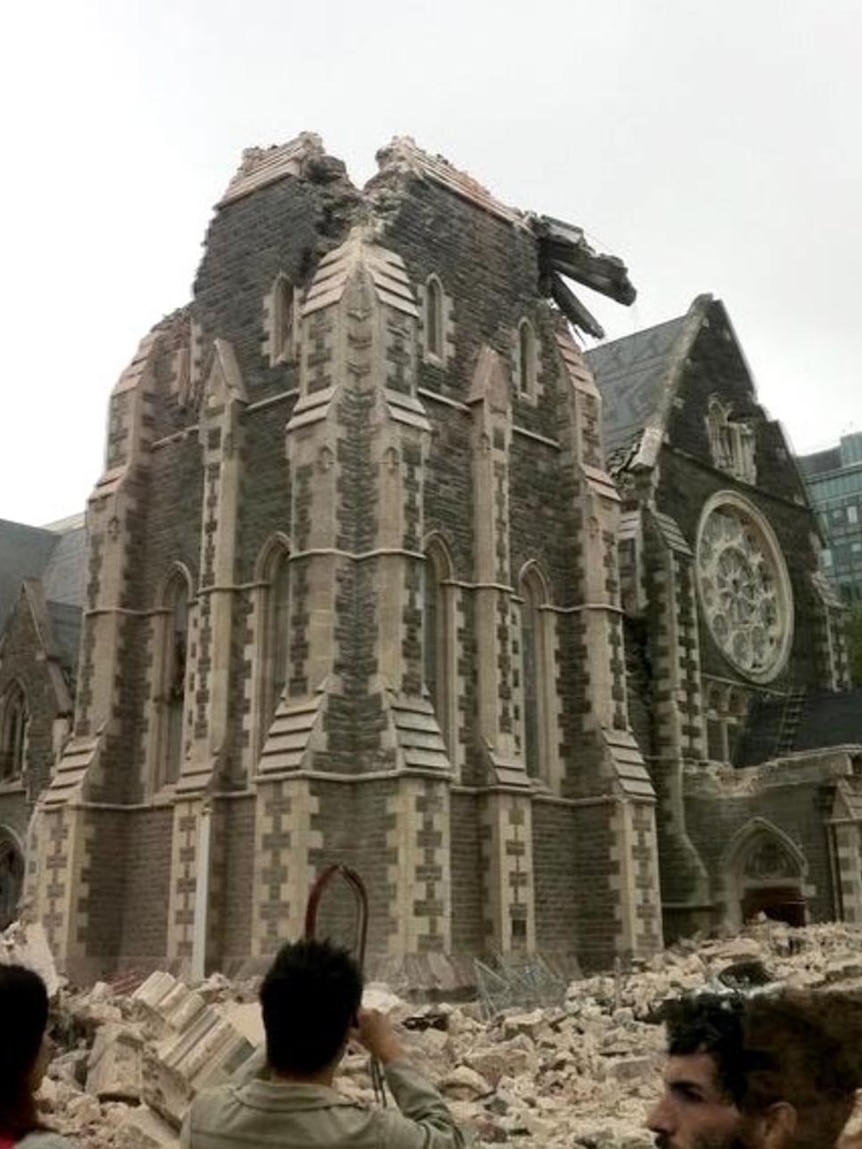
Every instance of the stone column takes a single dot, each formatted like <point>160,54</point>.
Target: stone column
<point>87,771</point>
<point>507,870</point>
<point>609,759</point>
<point>194,897</point>
<point>490,441</point>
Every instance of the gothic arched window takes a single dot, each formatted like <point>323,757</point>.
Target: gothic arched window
<point>276,635</point>
<point>525,359</point>
<point>434,317</point>
<point>538,684</point>
<point>731,442</point>
<point>176,666</point>
<point>439,639</point>
<point>13,732</point>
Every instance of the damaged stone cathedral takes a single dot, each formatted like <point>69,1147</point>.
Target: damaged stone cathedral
<point>383,569</point>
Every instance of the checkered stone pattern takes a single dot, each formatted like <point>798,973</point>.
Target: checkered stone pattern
<point>419,873</point>
<point>507,867</point>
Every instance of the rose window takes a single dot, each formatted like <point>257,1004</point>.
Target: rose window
<point>744,588</point>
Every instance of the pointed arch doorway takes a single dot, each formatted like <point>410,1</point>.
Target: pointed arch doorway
<point>765,873</point>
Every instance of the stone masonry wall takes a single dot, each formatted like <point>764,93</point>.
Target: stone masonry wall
<point>18,664</point>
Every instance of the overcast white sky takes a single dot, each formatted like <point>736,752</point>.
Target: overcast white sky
<point>714,147</point>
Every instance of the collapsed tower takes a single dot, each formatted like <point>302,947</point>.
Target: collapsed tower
<point>353,596</point>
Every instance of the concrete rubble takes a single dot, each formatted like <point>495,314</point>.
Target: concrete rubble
<point>583,1072</point>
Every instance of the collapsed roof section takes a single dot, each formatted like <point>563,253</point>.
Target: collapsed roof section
<point>562,249</point>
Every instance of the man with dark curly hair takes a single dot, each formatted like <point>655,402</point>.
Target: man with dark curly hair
<point>771,1070</point>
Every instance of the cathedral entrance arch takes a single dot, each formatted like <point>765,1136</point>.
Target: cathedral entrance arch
<point>11,876</point>
<point>764,873</point>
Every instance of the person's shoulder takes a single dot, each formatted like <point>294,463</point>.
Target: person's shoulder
<point>217,1096</point>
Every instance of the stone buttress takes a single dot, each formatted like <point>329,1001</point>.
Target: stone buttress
<point>195,897</point>
<point>505,810</point>
<point>354,768</point>
<point>609,784</point>
<point>78,899</point>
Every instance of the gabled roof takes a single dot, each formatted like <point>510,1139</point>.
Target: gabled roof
<point>55,555</point>
<point>638,377</point>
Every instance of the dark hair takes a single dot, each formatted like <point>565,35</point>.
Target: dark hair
<point>309,998</point>
<point>805,1047</point>
<point>799,1046</point>
<point>710,1023</point>
<point>24,1014</point>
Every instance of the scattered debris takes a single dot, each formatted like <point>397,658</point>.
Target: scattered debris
<point>578,1067</point>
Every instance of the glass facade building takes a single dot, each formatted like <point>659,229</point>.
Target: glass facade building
<point>833,479</point>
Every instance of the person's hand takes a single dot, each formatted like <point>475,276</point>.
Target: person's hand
<point>374,1031</point>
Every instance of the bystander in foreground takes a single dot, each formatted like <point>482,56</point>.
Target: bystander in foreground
<point>310,1000</point>
<point>772,1070</point>
<point>24,1054</point>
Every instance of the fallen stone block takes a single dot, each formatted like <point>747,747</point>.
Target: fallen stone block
<point>246,1019</point>
<point>206,1054</point>
<point>114,1071</point>
<point>144,1129</point>
<point>496,1061</point>
<point>464,1084</point>
<point>631,1068</point>
<point>27,945</point>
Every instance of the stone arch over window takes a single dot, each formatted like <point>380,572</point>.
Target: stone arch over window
<point>11,875</point>
<point>764,871</point>
<point>538,677</point>
<point>14,719</point>
<point>525,360</point>
<point>272,635</point>
<point>731,442</point>
<point>170,677</point>
<point>436,326</point>
<point>439,635</point>
<point>280,321</point>
<point>725,711</point>
<point>434,317</point>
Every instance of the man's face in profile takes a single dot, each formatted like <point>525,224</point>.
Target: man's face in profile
<point>694,1111</point>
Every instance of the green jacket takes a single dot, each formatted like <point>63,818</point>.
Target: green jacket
<point>266,1113</point>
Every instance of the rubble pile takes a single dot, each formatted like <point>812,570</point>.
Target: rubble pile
<point>582,1071</point>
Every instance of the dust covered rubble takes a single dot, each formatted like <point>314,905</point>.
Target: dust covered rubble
<point>583,1072</point>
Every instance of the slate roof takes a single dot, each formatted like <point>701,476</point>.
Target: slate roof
<point>630,374</point>
<point>66,627</point>
<point>54,555</point>
<point>24,552</point>
<point>824,719</point>
<point>63,577</point>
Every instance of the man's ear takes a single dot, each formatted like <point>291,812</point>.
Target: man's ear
<point>778,1125</point>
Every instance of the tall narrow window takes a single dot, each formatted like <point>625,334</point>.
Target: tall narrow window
<point>538,681</point>
<point>531,671</point>
<point>731,443</point>
<point>438,639</point>
<point>13,733</point>
<point>284,318</point>
<point>175,666</point>
<point>278,623</point>
<point>434,317</point>
<point>526,358</point>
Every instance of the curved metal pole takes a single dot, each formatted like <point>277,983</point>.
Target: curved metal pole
<point>361,897</point>
<point>337,869</point>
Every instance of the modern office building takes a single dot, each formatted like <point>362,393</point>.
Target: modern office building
<point>833,479</point>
